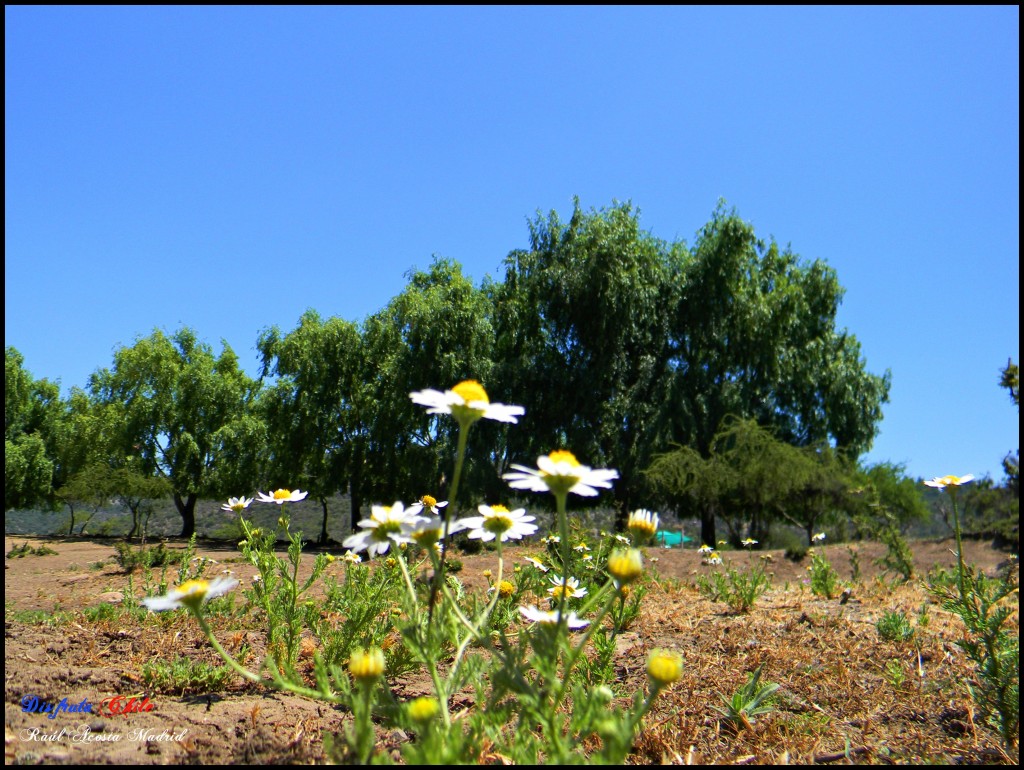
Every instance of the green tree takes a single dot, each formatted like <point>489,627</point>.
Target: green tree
<point>434,334</point>
<point>822,480</point>
<point>1010,379</point>
<point>582,340</point>
<point>174,406</point>
<point>311,412</point>
<point>754,334</point>
<point>98,483</point>
<point>31,408</point>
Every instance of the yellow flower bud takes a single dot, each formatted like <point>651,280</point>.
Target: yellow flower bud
<point>664,668</point>
<point>625,566</point>
<point>423,709</point>
<point>366,665</point>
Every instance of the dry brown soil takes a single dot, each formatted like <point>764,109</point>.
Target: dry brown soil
<point>837,702</point>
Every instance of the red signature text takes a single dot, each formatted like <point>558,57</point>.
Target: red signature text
<point>119,705</point>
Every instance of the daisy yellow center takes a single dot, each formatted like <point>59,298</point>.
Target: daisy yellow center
<point>664,668</point>
<point>423,709</point>
<point>626,566</point>
<point>428,501</point>
<point>564,456</point>
<point>194,588</point>
<point>366,665</point>
<point>559,591</point>
<point>506,589</point>
<point>471,390</point>
<point>498,521</point>
<point>282,494</point>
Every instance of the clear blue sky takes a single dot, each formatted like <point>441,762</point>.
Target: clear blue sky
<point>228,168</point>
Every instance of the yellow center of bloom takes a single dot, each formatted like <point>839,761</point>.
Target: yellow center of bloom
<point>194,588</point>
<point>626,566</point>
<point>366,665</point>
<point>506,589</point>
<point>471,390</point>
<point>423,709</point>
<point>282,494</point>
<point>564,456</point>
<point>499,509</point>
<point>557,592</point>
<point>664,668</point>
<point>428,501</point>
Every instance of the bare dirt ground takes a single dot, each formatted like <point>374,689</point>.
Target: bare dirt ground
<point>839,700</point>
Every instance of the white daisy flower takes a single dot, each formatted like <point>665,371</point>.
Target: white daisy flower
<point>537,563</point>
<point>560,472</point>
<point>428,530</point>
<point>499,521</point>
<point>466,402</point>
<point>748,542</point>
<point>705,549</point>
<point>818,537</point>
<point>430,503</point>
<point>191,594</point>
<point>237,504</point>
<point>949,482</point>
<point>352,557</point>
<point>642,523</point>
<point>282,496</point>
<point>387,524</point>
<point>570,587</point>
<point>535,615</point>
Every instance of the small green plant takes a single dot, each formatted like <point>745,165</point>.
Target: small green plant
<point>894,627</point>
<point>898,557</point>
<point>740,589</point>
<point>854,563</point>
<point>20,551</point>
<point>796,553</point>
<point>746,588</point>
<point>183,676</point>
<point>895,674</point>
<point>824,578</point>
<point>751,700</point>
<point>994,648</point>
<point>144,557</point>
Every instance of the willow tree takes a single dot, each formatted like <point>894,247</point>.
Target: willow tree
<point>435,333</point>
<point>753,334</point>
<point>747,479</point>
<point>31,410</point>
<point>173,406</point>
<point>582,319</point>
<point>311,410</point>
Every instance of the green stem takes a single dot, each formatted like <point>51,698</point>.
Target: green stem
<point>239,668</point>
<point>460,454</point>
<point>563,535</point>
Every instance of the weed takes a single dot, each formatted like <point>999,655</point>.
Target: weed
<point>895,674</point>
<point>894,627</point>
<point>19,551</point>
<point>989,643</point>
<point>751,700</point>
<point>182,676</point>
<point>143,557</point>
<point>824,579</point>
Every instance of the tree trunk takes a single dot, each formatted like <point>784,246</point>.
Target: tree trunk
<point>187,508</point>
<point>707,526</point>
<point>323,526</point>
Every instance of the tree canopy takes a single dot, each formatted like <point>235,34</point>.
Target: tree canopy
<point>621,346</point>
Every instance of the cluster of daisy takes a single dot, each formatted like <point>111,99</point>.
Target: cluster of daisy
<point>709,555</point>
